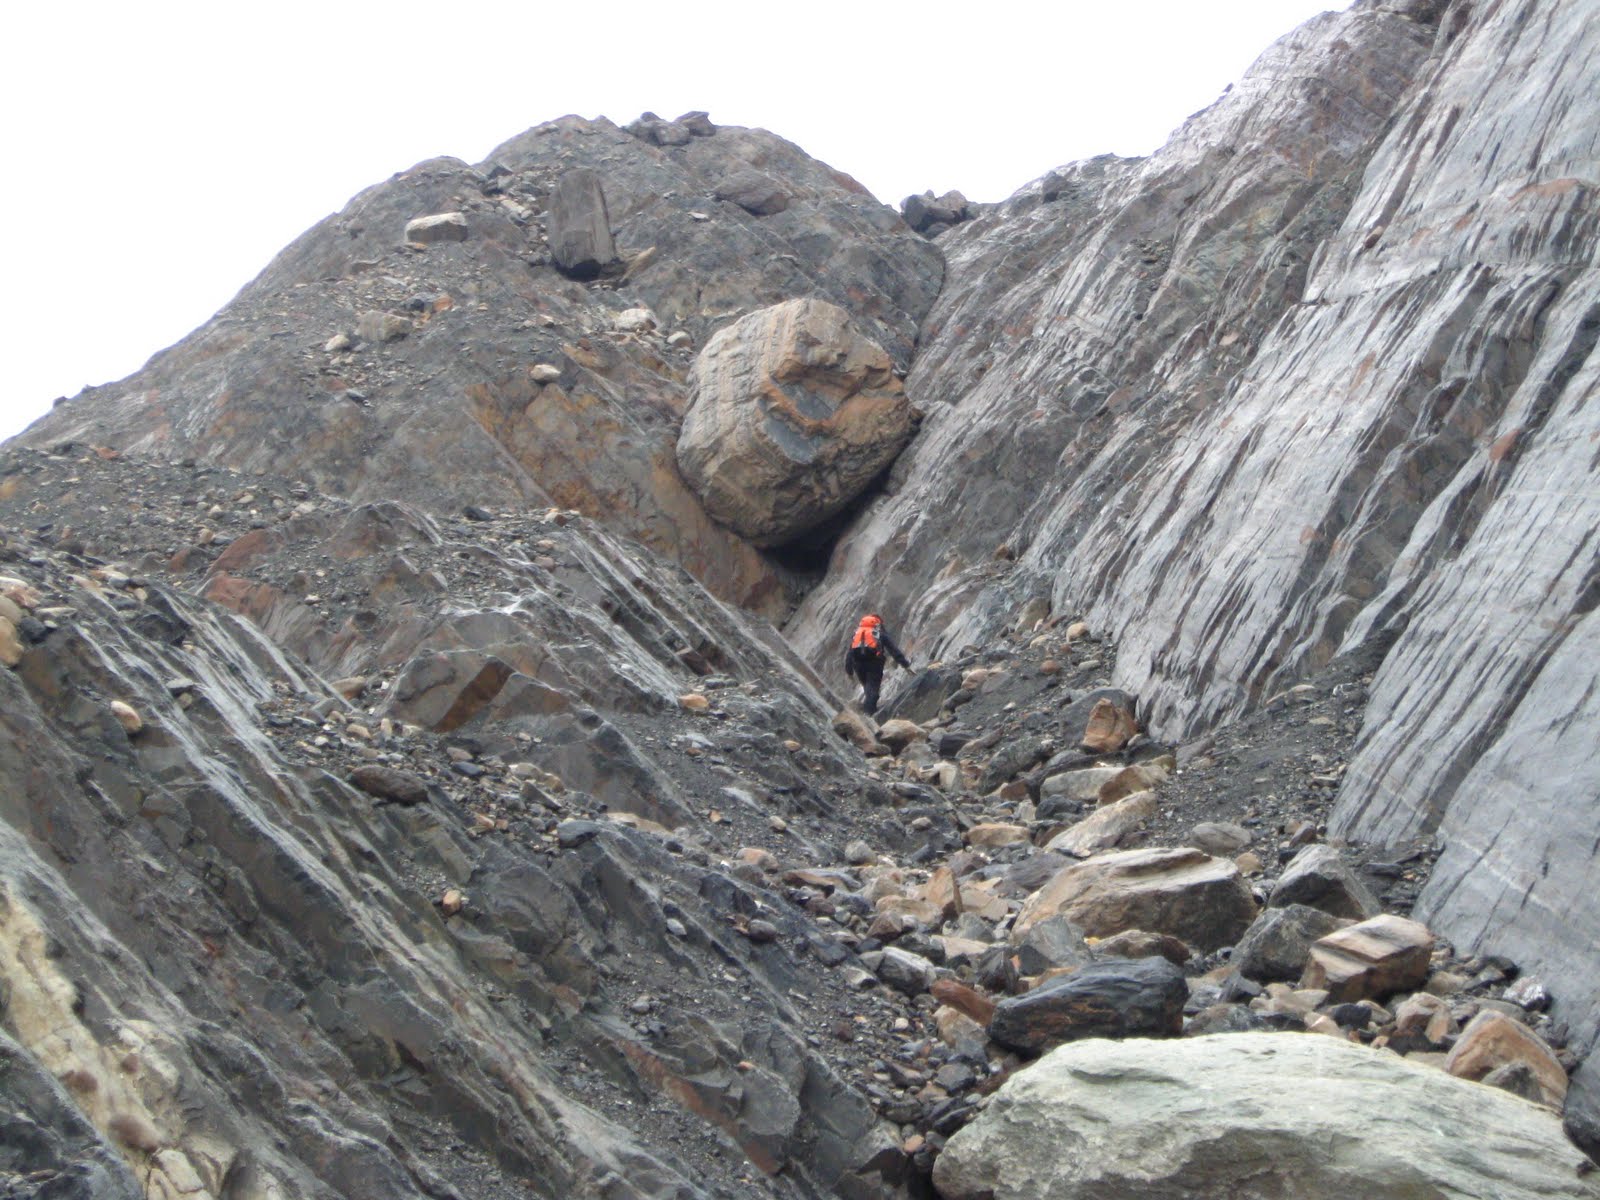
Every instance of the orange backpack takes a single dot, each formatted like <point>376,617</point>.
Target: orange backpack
<point>868,636</point>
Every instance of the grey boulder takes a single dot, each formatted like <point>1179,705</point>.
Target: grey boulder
<point>1254,1115</point>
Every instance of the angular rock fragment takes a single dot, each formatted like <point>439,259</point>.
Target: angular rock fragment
<point>388,783</point>
<point>1141,997</point>
<point>1221,838</point>
<point>1370,960</point>
<point>1276,946</point>
<point>1106,828</point>
<point>1051,944</point>
<point>1112,723</point>
<point>580,226</point>
<point>1493,1041</point>
<point>1202,900</point>
<point>759,195</point>
<point>1318,878</point>
<point>440,227</point>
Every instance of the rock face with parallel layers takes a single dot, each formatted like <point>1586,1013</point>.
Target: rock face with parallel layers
<point>1320,375</point>
<point>1124,1121</point>
<point>792,413</point>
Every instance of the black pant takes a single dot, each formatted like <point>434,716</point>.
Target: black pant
<point>870,672</point>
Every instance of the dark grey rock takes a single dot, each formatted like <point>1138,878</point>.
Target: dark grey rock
<point>1317,877</point>
<point>387,783</point>
<point>580,225</point>
<point>1276,946</point>
<point>1134,997</point>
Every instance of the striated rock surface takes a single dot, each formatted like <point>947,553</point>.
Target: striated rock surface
<point>1318,375</point>
<point>792,413</point>
<point>1110,1120</point>
<point>478,968</point>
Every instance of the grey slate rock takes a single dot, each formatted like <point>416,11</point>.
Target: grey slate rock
<point>387,783</point>
<point>1277,944</point>
<point>580,236</point>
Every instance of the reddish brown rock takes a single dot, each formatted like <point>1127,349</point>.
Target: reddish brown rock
<point>1110,726</point>
<point>1492,1041</point>
<point>1370,960</point>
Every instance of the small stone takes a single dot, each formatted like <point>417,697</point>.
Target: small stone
<point>694,702</point>
<point>1221,838</point>
<point>387,783</point>
<point>337,344</point>
<point>544,373</point>
<point>995,835</point>
<point>859,854</point>
<point>634,320</point>
<point>10,643</point>
<point>677,928</point>
<point>452,902</point>
<point>380,327</point>
<point>760,931</point>
<point>130,720</point>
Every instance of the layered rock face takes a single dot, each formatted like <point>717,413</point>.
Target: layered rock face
<point>491,365</point>
<point>791,414</point>
<point>452,940</point>
<point>1318,374</point>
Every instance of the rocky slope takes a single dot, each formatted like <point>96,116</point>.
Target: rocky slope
<point>1320,370</point>
<point>389,353</point>
<point>573,887</point>
<point>406,792</point>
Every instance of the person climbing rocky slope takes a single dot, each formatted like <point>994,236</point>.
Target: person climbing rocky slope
<point>480,918</point>
<point>1320,373</point>
<point>406,791</point>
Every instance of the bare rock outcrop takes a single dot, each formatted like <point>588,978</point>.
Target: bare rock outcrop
<point>792,412</point>
<point>355,357</point>
<point>1319,376</point>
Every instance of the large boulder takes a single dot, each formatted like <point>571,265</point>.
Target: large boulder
<point>580,227</point>
<point>1253,1115</point>
<point>1185,892</point>
<point>792,413</point>
<point>1120,997</point>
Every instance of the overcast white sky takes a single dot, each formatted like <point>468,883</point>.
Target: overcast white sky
<point>161,153</point>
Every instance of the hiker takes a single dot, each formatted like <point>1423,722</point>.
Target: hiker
<point>864,660</point>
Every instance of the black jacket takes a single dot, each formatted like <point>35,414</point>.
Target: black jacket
<point>852,655</point>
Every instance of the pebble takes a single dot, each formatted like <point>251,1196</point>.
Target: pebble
<point>127,717</point>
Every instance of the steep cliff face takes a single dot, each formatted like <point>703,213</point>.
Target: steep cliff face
<point>1248,409</point>
<point>458,364</point>
<point>1318,377</point>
